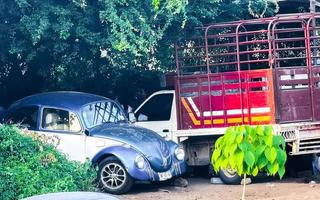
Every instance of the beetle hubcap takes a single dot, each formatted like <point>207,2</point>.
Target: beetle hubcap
<point>113,176</point>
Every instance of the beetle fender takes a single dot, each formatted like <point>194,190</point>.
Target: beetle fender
<point>127,157</point>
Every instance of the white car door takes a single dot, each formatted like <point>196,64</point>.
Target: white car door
<point>65,129</point>
<point>156,114</point>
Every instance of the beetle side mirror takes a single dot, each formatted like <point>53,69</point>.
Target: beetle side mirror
<point>132,118</point>
<point>86,132</point>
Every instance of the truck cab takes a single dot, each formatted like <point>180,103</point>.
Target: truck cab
<point>158,113</point>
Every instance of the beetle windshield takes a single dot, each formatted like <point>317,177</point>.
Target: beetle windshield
<point>98,113</point>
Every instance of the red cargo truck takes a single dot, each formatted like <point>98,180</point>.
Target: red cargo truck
<point>261,71</point>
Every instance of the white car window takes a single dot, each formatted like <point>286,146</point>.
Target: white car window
<point>60,120</point>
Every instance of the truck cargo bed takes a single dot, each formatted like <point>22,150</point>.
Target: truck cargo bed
<point>263,71</point>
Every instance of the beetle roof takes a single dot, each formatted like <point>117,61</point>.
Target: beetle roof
<point>70,100</point>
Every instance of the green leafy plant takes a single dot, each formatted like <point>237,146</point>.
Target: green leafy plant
<point>29,166</point>
<point>249,150</point>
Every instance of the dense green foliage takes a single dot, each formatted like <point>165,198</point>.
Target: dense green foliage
<point>86,45</point>
<point>28,166</point>
<point>249,150</point>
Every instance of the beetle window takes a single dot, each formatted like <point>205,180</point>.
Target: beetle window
<point>102,112</point>
<point>25,117</point>
<point>60,120</point>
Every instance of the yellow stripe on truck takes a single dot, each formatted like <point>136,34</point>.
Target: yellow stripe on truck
<point>261,119</point>
<point>218,121</point>
<point>193,118</point>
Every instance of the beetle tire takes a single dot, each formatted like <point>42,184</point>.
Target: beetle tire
<point>228,178</point>
<point>127,182</point>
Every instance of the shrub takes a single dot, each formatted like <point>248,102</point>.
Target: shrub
<point>249,150</point>
<point>29,166</point>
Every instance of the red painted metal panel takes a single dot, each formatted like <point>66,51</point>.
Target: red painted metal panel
<point>227,105</point>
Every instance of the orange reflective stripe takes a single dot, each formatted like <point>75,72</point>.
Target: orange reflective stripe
<point>193,118</point>
<point>234,120</point>
<point>261,119</point>
<point>218,121</point>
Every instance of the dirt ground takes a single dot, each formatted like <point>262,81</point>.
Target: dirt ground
<point>201,189</point>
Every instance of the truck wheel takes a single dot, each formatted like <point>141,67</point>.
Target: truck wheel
<point>230,177</point>
<point>113,176</point>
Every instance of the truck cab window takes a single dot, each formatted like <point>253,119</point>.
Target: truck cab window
<point>158,108</point>
<point>24,117</point>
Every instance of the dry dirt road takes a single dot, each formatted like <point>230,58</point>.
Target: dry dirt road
<point>201,189</point>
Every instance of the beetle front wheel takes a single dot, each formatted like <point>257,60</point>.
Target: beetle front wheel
<point>113,176</point>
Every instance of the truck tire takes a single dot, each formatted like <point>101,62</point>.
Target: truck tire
<point>230,177</point>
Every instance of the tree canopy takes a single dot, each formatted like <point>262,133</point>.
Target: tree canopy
<point>88,45</point>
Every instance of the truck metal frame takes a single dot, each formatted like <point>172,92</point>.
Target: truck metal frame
<point>262,71</point>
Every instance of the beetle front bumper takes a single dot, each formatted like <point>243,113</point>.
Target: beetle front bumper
<point>148,174</point>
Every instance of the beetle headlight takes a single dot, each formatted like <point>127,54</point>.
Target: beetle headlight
<point>179,153</point>
<point>140,162</point>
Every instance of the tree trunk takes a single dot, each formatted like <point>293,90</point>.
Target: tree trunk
<point>244,186</point>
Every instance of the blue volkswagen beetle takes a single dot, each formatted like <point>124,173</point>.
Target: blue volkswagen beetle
<point>95,127</point>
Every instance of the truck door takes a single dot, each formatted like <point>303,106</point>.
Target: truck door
<point>292,76</point>
<point>156,114</point>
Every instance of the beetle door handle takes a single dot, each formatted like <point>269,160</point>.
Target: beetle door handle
<point>165,130</point>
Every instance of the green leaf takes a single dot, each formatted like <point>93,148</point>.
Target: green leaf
<point>270,154</point>
<point>281,171</point>
<point>274,168</point>
<point>278,140</point>
<point>239,137</point>
<point>248,131</point>
<point>268,139</point>
<point>225,163</point>
<point>216,155</point>
<point>232,137</point>
<point>281,156</point>
<point>240,169</point>
<point>245,146</point>
<point>259,150</point>
<point>249,158</point>
<point>233,149</point>
<point>262,162</point>
<point>232,162</point>
<point>269,168</point>
<point>255,171</point>
<point>259,130</point>
<point>219,142</point>
<point>226,151</point>
<point>217,164</point>
<point>238,157</point>
<point>268,130</point>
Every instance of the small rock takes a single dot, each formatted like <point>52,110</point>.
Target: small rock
<point>216,180</point>
<point>270,185</point>
<point>247,181</point>
<point>181,182</point>
<point>312,182</point>
<point>163,190</point>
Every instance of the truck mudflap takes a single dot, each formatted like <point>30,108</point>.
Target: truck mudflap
<point>301,138</point>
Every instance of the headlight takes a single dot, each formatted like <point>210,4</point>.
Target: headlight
<point>179,153</point>
<point>140,162</point>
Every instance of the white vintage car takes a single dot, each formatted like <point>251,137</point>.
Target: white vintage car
<point>94,127</point>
